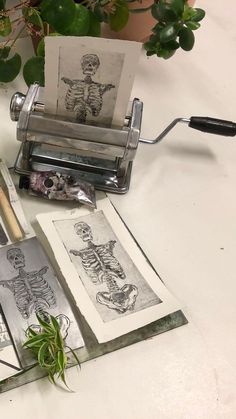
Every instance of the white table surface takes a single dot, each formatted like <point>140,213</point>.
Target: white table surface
<point>182,210</point>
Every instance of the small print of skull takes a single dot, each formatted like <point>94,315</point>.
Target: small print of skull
<point>16,258</point>
<point>84,231</point>
<point>90,64</point>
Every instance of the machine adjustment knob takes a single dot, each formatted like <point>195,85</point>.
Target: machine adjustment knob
<point>16,105</point>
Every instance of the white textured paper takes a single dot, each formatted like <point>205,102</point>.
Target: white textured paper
<point>93,271</point>
<point>100,95</point>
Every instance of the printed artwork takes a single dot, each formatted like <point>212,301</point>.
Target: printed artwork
<point>84,97</point>
<point>28,286</point>
<point>112,283</point>
<point>89,80</point>
<point>88,87</point>
<point>111,279</point>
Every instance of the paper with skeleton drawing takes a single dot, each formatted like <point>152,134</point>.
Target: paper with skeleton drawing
<point>111,281</point>
<point>28,285</point>
<point>89,79</point>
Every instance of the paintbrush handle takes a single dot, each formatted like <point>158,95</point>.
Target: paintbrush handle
<point>10,216</point>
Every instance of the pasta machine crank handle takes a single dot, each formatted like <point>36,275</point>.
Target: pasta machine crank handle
<point>201,123</point>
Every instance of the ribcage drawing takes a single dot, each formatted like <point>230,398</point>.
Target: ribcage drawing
<point>31,292</point>
<point>96,259</point>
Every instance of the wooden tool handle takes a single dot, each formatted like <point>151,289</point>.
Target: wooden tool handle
<point>10,216</point>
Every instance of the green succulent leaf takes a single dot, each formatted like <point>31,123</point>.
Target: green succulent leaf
<point>192,25</point>
<point>172,45</point>
<point>94,25</point>
<point>58,13</point>
<point>198,15</point>
<point>186,39</point>
<point>5,26</point>
<point>164,53</point>
<point>177,6</point>
<point>120,17</point>
<point>163,12</point>
<point>80,24</point>
<point>9,68</point>
<point>168,33</point>
<point>33,71</point>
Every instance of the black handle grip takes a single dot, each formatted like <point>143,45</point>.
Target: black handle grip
<point>213,126</point>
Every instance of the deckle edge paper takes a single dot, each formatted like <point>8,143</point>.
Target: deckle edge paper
<point>113,285</point>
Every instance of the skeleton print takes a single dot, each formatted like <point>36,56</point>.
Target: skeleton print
<point>30,289</point>
<point>85,96</point>
<point>101,266</point>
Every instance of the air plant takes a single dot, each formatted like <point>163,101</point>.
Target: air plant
<point>48,347</point>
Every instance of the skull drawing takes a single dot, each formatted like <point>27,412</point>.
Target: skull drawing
<point>84,231</point>
<point>90,64</point>
<point>16,257</point>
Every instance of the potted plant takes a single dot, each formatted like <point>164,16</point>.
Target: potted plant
<point>174,24</point>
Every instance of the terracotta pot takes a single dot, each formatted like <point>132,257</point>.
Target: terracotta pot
<point>139,26</point>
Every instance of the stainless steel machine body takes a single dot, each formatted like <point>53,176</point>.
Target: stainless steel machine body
<point>100,155</point>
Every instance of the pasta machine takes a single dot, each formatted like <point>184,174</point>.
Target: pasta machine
<point>102,156</point>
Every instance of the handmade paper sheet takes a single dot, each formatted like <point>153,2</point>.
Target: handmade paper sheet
<point>113,285</point>
<point>89,80</point>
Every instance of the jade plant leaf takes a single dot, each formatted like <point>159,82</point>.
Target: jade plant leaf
<point>33,71</point>
<point>119,18</point>
<point>186,39</point>
<point>198,15</point>
<point>163,12</point>
<point>59,14</point>
<point>9,68</point>
<point>177,6</point>
<point>80,24</point>
<point>168,33</point>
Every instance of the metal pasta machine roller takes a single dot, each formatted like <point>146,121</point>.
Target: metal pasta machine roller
<point>99,155</point>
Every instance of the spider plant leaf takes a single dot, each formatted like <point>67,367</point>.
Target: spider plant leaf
<point>31,332</point>
<point>35,340</point>
<point>42,353</point>
<point>61,360</point>
<point>74,355</point>
<point>43,323</point>
<point>54,323</point>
